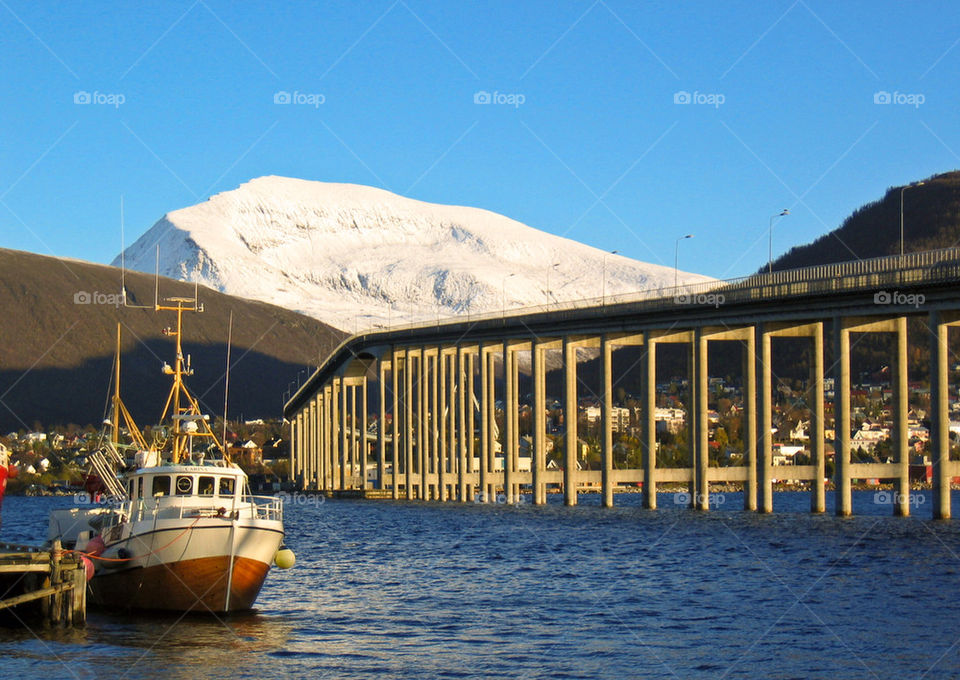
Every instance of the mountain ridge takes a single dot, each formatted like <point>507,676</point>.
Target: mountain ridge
<point>329,250</point>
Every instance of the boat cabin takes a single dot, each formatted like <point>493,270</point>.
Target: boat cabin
<point>203,482</point>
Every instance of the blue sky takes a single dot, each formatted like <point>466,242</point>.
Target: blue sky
<point>617,123</point>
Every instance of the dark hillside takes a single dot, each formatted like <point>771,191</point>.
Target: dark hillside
<point>57,345</point>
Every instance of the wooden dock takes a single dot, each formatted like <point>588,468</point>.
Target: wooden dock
<point>46,586</point>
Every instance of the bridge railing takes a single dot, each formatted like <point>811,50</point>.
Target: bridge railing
<point>911,269</point>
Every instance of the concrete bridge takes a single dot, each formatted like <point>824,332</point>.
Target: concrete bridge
<point>441,383</point>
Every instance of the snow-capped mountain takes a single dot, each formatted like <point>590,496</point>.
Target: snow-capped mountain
<point>357,257</point>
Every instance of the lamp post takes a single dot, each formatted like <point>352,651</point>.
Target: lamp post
<point>782,213</point>
<point>603,289</point>
<point>505,292</point>
<point>676,261</point>
<point>902,189</point>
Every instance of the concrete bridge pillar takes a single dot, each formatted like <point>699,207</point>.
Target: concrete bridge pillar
<point>748,428</point>
<point>818,501</point>
<point>841,414</point>
<point>343,458</point>
<point>432,386</point>
<point>539,421</point>
<point>461,381</point>
<point>700,442</point>
<point>395,429</point>
<point>901,428</point>
<point>354,438</point>
<point>381,423</point>
<point>940,415</point>
<point>648,405</point>
<point>471,422</point>
<point>421,441</point>
<point>509,421</point>
<point>486,432</point>
<point>571,454</point>
<point>408,424</point>
<point>309,418</point>
<point>442,418</point>
<point>606,351</point>
<point>764,422</point>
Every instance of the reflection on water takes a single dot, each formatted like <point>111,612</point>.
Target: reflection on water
<point>421,591</point>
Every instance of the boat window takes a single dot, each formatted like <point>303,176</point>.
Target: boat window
<point>139,487</point>
<point>130,488</point>
<point>184,485</point>
<point>205,486</point>
<point>161,486</point>
<point>227,485</point>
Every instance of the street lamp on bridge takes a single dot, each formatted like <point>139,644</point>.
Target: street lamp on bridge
<point>676,262</point>
<point>782,213</point>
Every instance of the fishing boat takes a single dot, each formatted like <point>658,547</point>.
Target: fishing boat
<point>173,525</point>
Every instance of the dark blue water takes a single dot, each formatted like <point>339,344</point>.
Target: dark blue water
<point>399,590</point>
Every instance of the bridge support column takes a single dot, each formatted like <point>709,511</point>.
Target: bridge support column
<point>408,425</point>
<point>818,501</point>
<point>700,442</point>
<point>320,421</point>
<point>901,428</point>
<point>309,422</point>
<point>395,429</point>
<point>443,421</point>
<point>571,443</point>
<point>354,438</point>
<point>432,384</point>
<point>344,457</point>
<point>748,429</point>
<point>363,433</point>
<point>606,351</point>
<point>471,422</point>
<point>461,424</point>
<point>449,463</point>
<point>381,422</point>
<point>538,465</point>
<point>485,430</point>
<point>509,420</point>
<point>940,416</point>
<point>421,453</point>
<point>841,413</point>
<point>765,422</point>
<point>648,406</point>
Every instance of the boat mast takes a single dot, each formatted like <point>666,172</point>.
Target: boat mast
<point>115,433</point>
<point>181,406</point>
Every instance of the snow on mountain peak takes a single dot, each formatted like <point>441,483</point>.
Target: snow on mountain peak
<point>356,256</point>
